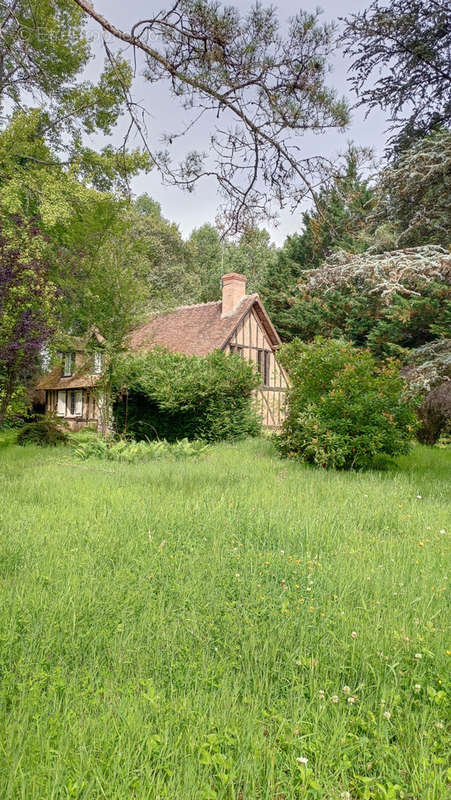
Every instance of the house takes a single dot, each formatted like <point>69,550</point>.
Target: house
<point>238,323</point>
<point>70,386</point>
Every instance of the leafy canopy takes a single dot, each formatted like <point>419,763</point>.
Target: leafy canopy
<point>173,396</point>
<point>343,409</point>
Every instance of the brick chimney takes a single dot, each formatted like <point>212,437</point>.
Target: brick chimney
<point>233,291</point>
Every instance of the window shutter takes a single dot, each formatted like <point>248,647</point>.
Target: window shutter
<point>61,407</point>
<point>79,403</point>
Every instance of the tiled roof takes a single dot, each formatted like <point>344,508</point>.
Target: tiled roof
<point>193,330</point>
<point>196,330</point>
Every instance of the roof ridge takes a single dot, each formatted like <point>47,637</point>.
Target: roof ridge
<point>156,314</point>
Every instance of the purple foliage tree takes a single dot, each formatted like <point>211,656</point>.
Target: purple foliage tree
<point>27,304</point>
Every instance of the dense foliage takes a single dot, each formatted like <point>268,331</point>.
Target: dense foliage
<point>45,431</point>
<point>27,298</point>
<point>385,301</point>
<point>338,220</point>
<point>171,396</point>
<point>428,375</point>
<point>344,409</point>
<point>413,197</point>
<point>435,413</point>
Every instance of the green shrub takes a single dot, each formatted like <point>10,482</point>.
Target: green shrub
<point>45,431</point>
<point>133,452</point>
<point>344,409</point>
<point>173,396</point>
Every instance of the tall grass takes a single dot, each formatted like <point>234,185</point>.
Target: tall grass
<point>197,629</point>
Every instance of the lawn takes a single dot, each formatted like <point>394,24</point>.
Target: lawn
<point>231,627</point>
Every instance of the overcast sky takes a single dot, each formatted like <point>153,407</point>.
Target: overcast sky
<point>193,210</point>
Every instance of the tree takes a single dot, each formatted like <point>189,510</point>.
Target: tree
<point>428,375</point>
<point>27,301</point>
<point>257,88</point>
<point>401,62</point>
<point>338,221</point>
<point>206,256</point>
<point>44,49</point>
<point>385,301</point>
<point>413,201</point>
<point>252,255</point>
<point>169,279</point>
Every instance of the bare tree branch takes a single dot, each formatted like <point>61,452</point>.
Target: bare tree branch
<point>268,88</point>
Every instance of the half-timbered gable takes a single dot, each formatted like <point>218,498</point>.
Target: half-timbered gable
<point>254,341</point>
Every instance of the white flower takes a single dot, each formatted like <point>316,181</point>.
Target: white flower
<point>387,714</point>
<point>353,635</point>
<point>321,693</point>
<point>237,574</point>
<point>351,700</point>
<point>334,698</point>
<point>417,687</point>
<point>440,725</point>
<point>302,760</point>
<point>442,530</point>
<point>418,496</point>
<point>418,655</point>
<point>282,552</point>
<point>346,690</point>
<point>345,796</point>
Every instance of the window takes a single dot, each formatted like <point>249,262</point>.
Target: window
<point>97,362</point>
<point>68,362</point>
<point>237,349</point>
<point>264,365</point>
<point>75,403</point>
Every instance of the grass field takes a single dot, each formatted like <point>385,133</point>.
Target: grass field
<point>233,627</point>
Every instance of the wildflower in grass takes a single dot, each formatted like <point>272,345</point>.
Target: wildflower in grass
<point>321,694</point>
<point>237,574</point>
<point>346,690</point>
<point>417,687</point>
<point>346,795</point>
<point>442,530</point>
<point>334,698</point>
<point>418,496</point>
<point>351,700</point>
<point>353,634</point>
<point>302,760</point>
<point>387,714</point>
<point>418,656</point>
<point>421,544</point>
<point>440,725</point>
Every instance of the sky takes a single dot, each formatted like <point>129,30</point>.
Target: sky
<point>192,210</point>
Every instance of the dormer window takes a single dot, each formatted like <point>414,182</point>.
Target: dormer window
<point>98,362</point>
<point>68,364</point>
